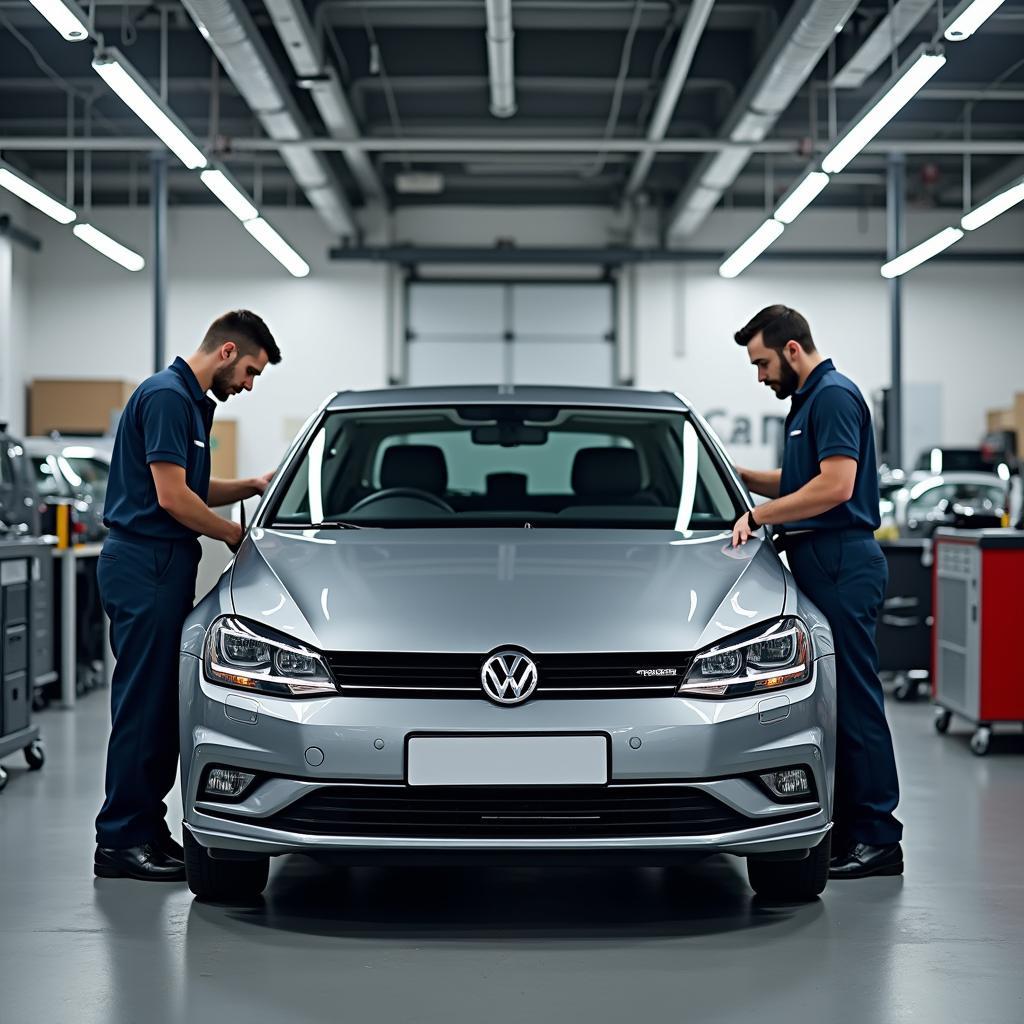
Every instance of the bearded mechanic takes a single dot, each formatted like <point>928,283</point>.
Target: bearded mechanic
<point>825,503</point>
<point>159,501</point>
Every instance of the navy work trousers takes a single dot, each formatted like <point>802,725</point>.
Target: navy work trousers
<point>148,588</point>
<point>845,574</point>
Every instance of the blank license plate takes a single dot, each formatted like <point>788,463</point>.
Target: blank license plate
<point>508,760</point>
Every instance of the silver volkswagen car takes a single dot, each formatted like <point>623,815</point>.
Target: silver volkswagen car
<point>508,624</point>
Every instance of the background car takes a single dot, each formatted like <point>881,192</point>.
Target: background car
<point>958,500</point>
<point>20,507</point>
<point>471,623</point>
<point>76,472</point>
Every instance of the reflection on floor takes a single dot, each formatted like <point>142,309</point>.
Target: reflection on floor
<point>469,945</point>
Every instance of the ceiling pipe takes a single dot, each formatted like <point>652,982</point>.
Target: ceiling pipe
<point>803,37</point>
<point>232,34</point>
<point>686,46</point>
<point>517,146</point>
<point>321,80</point>
<point>500,57</point>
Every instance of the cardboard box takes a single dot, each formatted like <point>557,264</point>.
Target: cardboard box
<point>999,419</point>
<point>77,406</point>
<point>224,449</point>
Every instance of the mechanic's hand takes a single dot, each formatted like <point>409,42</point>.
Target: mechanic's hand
<point>261,483</point>
<point>741,532</point>
<point>234,536</point>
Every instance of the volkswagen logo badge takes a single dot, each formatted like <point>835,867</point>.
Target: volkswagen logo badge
<point>509,676</point>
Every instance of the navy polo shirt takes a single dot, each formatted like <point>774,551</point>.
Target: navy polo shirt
<point>830,417</point>
<point>167,419</point>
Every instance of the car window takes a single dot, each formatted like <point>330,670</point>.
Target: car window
<point>480,465</point>
<point>91,472</point>
<point>967,493</point>
<point>49,481</point>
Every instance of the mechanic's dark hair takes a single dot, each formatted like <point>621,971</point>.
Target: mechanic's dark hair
<point>778,324</point>
<point>246,330</point>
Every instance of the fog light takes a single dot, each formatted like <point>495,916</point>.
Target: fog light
<point>227,782</point>
<point>791,782</point>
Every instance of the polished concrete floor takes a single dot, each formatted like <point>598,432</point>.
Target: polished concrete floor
<point>945,943</point>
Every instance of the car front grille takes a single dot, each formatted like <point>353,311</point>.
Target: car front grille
<point>539,812</point>
<point>457,676</point>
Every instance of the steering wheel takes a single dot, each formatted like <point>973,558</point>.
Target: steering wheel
<point>403,492</point>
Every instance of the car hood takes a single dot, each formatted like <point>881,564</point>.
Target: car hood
<point>472,590</point>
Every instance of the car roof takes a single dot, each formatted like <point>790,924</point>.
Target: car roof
<point>40,445</point>
<point>962,476</point>
<point>510,394</point>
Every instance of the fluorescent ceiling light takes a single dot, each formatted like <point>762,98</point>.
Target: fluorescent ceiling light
<point>146,104</point>
<point>65,16</point>
<point>35,196</point>
<point>751,248</point>
<point>925,251</point>
<point>229,194</point>
<point>896,97</point>
<point>112,250</point>
<point>277,247</point>
<point>991,209</point>
<point>801,197</point>
<point>967,18</point>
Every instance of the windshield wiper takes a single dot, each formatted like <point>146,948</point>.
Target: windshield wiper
<point>327,524</point>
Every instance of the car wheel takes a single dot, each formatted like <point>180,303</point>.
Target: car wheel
<point>794,880</point>
<point>222,881</point>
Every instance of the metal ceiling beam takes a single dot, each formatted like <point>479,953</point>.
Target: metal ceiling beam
<point>513,255</point>
<point>135,143</point>
<point>675,79</point>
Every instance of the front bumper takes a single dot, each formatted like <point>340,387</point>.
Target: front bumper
<point>706,747</point>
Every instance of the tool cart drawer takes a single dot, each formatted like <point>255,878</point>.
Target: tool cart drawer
<point>15,650</point>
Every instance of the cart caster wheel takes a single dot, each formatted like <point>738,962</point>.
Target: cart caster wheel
<point>981,740</point>
<point>35,755</point>
<point>906,689</point>
<point>3,779</point>
<point>942,720</point>
<point>39,701</point>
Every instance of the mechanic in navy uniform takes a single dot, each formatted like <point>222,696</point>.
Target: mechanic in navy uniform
<point>825,501</point>
<point>159,502</point>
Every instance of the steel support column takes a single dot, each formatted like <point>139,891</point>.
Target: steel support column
<point>895,190</point>
<point>158,200</point>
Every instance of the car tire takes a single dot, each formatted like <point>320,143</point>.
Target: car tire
<point>222,881</point>
<point>792,880</point>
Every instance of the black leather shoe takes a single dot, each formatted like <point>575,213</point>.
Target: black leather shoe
<point>146,863</point>
<point>169,848</point>
<point>863,861</point>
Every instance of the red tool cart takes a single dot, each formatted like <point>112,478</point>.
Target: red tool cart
<point>977,671</point>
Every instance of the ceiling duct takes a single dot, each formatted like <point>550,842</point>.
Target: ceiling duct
<point>322,82</point>
<point>501,58</point>
<point>802,39</point>
<point>229,29</point>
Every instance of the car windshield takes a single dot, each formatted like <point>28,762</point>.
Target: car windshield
<point>50,482</point>
<point>92,473</point>
<point>506,465</point>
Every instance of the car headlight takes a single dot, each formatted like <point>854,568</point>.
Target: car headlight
<point>757,661</point>
<point>241,655</point>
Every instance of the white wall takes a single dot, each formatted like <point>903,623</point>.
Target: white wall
<point>89,318</point>
<point>86,317</point>
<point>961,330</point>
